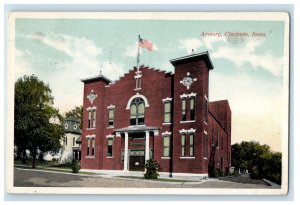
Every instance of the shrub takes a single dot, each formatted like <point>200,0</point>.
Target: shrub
<point>75,166</point>
<point>152,168</point>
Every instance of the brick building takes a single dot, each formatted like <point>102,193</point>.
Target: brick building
<point>149,113</point>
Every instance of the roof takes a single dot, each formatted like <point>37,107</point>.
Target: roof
<point>193,57</point>
<point>96,78</point>
<point>78,141</point>
<point>136,129</point>
<point>72,118</point>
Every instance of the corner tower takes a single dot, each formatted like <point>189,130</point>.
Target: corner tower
<point>190,118</point>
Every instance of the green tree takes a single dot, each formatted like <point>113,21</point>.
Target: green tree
<point>258,159</point>
<point>76,112</point>
<point>37,123</point>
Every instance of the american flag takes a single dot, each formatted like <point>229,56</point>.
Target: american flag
<point>145,44</point>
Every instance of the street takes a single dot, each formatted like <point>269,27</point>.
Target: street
<point>39,178</point>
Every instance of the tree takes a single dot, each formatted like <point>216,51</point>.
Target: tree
<point>258,159</point>
<point>76,112</point>
<point>37,123</point>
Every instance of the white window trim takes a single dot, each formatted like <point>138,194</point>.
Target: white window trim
<point>205,132</point>
<point>183,96</point>
<point>138,76</point>
<point>109,136</point>
<point>136,96</point>
<point>167,99</point>
<point>167,123</point>
<point>187,157</point>
<point>109,157</point>
<point>90,157</point>
<point>191,130</point>
<point>166,133</point>
<point>192,95</point>
<point>205,158</point>
<point>111,107</point>
<point>183,131</point>
<point>137,88</point>
<point>91,108</point>
<point>93,136</point>
<point>91,128</point>
<point>165,157</point>
<point>188,121</point>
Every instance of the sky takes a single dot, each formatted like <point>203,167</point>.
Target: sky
<point>248,71</point>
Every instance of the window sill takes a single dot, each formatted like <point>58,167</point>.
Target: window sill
<point>205,122</point>
<point>138,89</point>
<point>165,157</point>
<point>166,123</point>
<point>110,127</point>
<point>109,157</point>
<point>205,158</point>
<point>188,121</point>
<point>91,128</point>
<point>90,157</point>
<point>187,157</point>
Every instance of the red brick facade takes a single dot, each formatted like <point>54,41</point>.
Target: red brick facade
<point>130,127</point>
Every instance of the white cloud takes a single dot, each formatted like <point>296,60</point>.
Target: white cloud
<point>189,44</point>
<point>23,67</point>
<point>247,54</point>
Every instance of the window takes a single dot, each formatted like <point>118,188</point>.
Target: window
<point>88,148</point>
<point>183,144</point>
<point>111,116</point>
<point>90,119</point>
<point>94,119</point>
<point>222,142</point>
<point>73,141</point>
<point>192,108</point>
<point>183,109</point>
<point>93,147</point>
<point>191,144</point>
<point>137,112</point>
<point>205,145</point>
<point>167,116</point>
<point>166,145</point>
<point>217,143</point>
<point>205,109</point>
<point>66,141</point>
<point>109,147</point>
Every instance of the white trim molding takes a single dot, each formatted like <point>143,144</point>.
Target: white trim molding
<point>118,134</point>
<point>166,133</point>
<point>156,132</point>
<point>165,157</point>
<point>110,107</point>
<point>191,130</point>
<point>167,123</point>
<point>91,108</point>
<point>167,99</point>
<point>183,96</point>
<point>182,131</point>
<point>192,94</point>
<point>187,157</point>
<point>205,132</point>
<point>93,136</point>
<point>136,96</point>
<point>109,136</point>
<point>188,121</point>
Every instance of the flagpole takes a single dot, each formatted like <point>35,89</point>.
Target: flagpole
<point>138,55</point>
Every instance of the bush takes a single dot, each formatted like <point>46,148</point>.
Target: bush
<point>75,166</point>
<point>152,168</point>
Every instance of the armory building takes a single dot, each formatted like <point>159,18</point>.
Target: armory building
<point>150,113</point>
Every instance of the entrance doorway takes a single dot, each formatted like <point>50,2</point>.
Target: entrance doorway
<point>137,160</point>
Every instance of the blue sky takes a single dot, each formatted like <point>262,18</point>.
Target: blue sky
<point>248,70</point>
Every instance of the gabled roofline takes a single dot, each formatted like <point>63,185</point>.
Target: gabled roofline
<point>194,57</point>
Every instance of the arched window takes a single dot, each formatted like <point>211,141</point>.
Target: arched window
<point>137,111</point>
